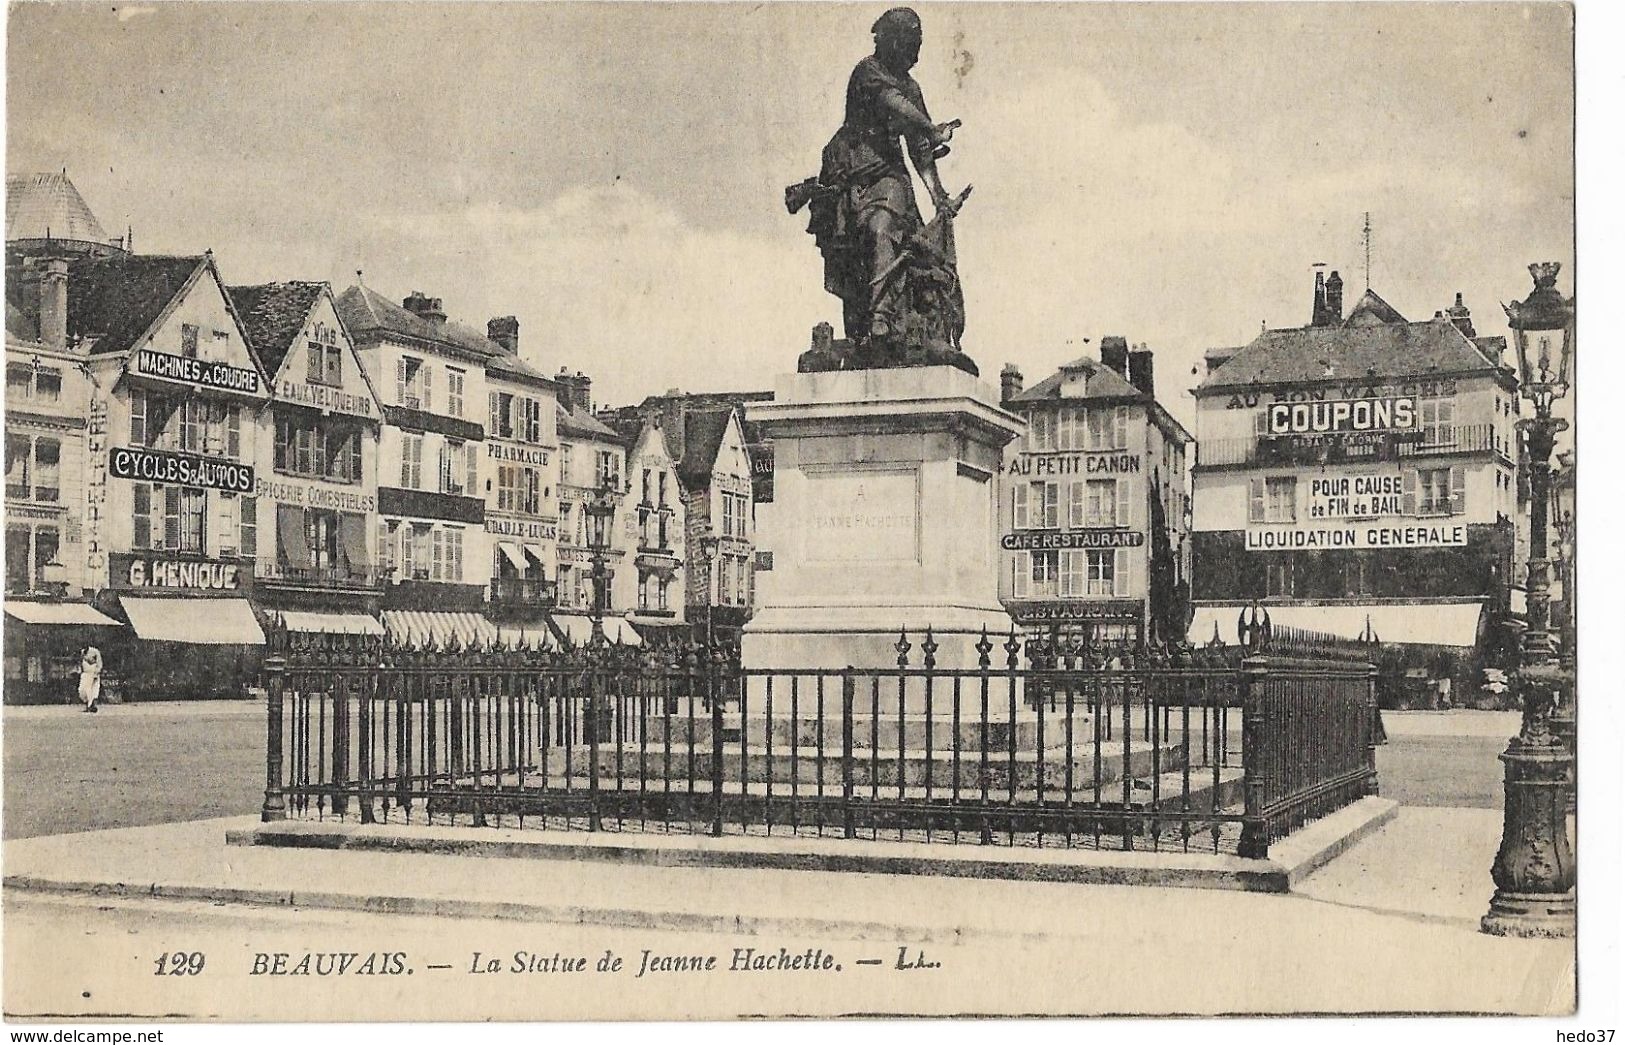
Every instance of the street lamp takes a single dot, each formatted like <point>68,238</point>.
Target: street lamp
<point>1534,868</point>
<point>600,510</point>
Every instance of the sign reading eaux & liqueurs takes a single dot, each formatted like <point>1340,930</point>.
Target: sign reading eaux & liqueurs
<point>1320,538</point>
<point>205,373</point>
<point>1049,540</point>
<point>1393,413</point>
<point>161,466</point>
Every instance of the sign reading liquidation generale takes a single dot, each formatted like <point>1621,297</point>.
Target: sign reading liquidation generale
<point>1317,538</point>
<point>204,373</point>
<point>1394,413</point>
<point>161,466</point>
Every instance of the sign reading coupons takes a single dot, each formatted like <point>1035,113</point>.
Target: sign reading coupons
<point>1048,540</point>
<point>160,466</point>
<point>205,373</point>
<point>1390,414</point>
<point>1317,538</point>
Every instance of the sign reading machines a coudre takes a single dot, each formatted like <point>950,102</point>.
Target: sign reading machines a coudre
<point>160,466</point>
<point>1389,414</point>
<point>205,373</point>
<point>1318,538</point>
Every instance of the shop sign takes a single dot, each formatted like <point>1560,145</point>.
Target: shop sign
<point>205,373</point>
<point>1355,496</point>
<point>524,529</point>
<point>761,471</point>
<point>326,398</point>
<point>516,454</point>
<point>1118,611</point>
<point>1394,413</point>
<point>309,495</point>
<point>1050,540</point>
<point>151,571</point>
<point>1317,538</point>
<point>734,484</point>
<point>1442,386</point>
<point>1333,449</point>
<point>1076,464</point>
<point>579,556</point>
<point>764,561</point>
<point>161,466</point>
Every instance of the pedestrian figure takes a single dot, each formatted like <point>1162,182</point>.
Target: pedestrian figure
<point>90,677</point>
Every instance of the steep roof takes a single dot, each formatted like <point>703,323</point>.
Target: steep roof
<point>1103,383</point>
<point>364,311</point>
<point>577,422</point>
<point>704,431</point>
<point>273,314</point>
<point>113,299</point>
<point>38,205</point>
<point>505,364</point>
<point>1370,309</point>
<point>1387,350</point>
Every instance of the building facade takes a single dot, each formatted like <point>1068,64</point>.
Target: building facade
<point>315,495</point>
<point>1093,503</point>
<point>592,463</point>
<point>651,521</point>
<point>1356,476</point>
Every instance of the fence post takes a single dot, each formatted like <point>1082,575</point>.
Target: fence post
<point>713,693</point>
<point>595,820</point>
<point>1373,716</point>
<point>341,739</point>
<point>1254,757</point>
<point>275,806</point>
<point>849,688</point>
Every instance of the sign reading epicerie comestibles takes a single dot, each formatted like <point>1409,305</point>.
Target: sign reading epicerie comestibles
<point>205,373</point>
<point>1319,538</point>
<point>1355,496</point>
<point>161,466</point>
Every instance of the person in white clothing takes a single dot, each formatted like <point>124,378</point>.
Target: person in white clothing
<point>90,677</point>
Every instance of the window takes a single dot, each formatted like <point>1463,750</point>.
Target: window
<point>566,533</point>
<point>1041,430</point>
<point>19,380</point>
<point>501,415</point>
<point>19,466</point>
<point>1273,499</point>
<point>609,469</point>
<point>1108,428</point>
<point>19,577</point>
<point>452,465</point>
<point>47,540</point>
<point>663,490</point>
<point>1279,576</point>
<point>34,382</point>
<point>1072,572</point>
<point>531,488</point>
<point>564,463</point>
<point>226,530</point>
<point>411,460</point>
<point>1045,505</point>
<point>1046,571</point>
<point>727,515</point>
<point>1100,504</point>
<point>194,424</point>
<point>189,340</point>
<point>247,526</point>
<point>412,383</point>
<point>724,580</point>
<point>533,420</point>
<point>1438,421</point>
<point>454,391</point>
<point>386,545</point>
<point>185,519</point>
<point>1437,491</point>
<point>1072,428</point>
<point>1101,571</point>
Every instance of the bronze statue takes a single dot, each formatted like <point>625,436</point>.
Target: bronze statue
<point>896,276</point>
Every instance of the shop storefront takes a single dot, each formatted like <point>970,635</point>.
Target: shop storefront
<point>43,641</point>
<point>192,632</point>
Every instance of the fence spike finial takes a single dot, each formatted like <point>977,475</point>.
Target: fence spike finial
<point>902,647</point>
<point>929,648</point>
<point>1012,649</point>
<point>984,646</point>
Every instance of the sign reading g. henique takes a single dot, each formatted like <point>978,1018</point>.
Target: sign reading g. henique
<point>205,373</point>
<point>1393,413</point>
<point>152,571</point>
<point>1317,538</point>
<point>1048,540</point>
<point>160,466</point>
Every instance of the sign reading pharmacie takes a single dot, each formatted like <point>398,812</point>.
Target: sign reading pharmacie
<point>140,572</point>
<point>500,451</point>
<point>1362,536</point>
<point>1077,611</point>
<point>205,373</point>
<point>1062,540</point>
<point>161,466</point>
<point>523,529</point>
<point>315,495</point>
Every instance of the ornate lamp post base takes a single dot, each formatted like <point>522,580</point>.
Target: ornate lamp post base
<point>1535,915</point>
<point>1534,869</point>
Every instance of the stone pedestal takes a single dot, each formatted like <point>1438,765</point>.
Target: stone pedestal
<point>884,518</point>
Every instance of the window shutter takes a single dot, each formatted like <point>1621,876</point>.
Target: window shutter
<point>1074,503</point>
<point>1124,515</point>
<point>172,517</point>
<point>473,488</point>
<point>400,380</point>
<point>138,418</point>
<point>1255,500</point>
<point>1458,490</point>
<point>1120,435</point>
<point>1120,568</point>
<point>1261,422</point>
<point>427,375</point>
<point>495,428</point>
<point>1023,571</point>
<point>1408,505</point>
<point>248,521</point>
<point>234,432</point>
<point>1018,507</point>
<point>142,496</point>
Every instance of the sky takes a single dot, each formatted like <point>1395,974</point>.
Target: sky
<point>613,174</point>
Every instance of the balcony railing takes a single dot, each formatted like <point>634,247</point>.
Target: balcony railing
<point>524,591</point>
<point>319,576</point>
<point>1288,449</point>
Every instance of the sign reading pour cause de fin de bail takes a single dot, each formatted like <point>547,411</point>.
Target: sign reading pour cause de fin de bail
<point>1294,538</point>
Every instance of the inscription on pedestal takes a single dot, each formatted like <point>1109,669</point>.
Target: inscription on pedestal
<point>867,516</point>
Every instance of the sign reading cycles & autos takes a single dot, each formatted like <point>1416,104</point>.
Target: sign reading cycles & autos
<point>160,466</point>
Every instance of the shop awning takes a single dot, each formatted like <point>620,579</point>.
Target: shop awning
<point>535,552</point>
<point>1435,624</point>
<point>331,623</point>
<point>578,629</point>
<point>441,627</point>
<point>59,613</point>
<point>656,623</point>
<point>199,622</point>
<point>513,554</point>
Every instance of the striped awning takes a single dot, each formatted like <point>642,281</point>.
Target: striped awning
<point>578,629</point>
<point>331,623</point>
<point>439,627</point>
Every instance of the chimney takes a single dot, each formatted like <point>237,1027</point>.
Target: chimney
<point>674,418</point>
<point>1317,311</point>
<point>1334,298</point>
<point>1114,354</point>
<point>1010,382</point>
<point>567,388</point>
<point>1462,317</point>
<point>53,304</point>
<point>583,392</point>
<point>504,330</point>
<point>1140,372</point>
<point>425,308</point>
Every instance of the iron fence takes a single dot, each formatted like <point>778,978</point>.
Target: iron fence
<point>1043,743</point>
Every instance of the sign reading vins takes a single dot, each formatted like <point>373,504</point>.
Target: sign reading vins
<point>160,466</point>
